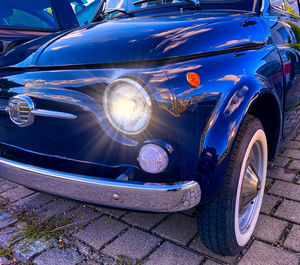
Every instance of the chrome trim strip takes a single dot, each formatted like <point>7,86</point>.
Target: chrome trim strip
<point>262,6</point>
<point>156,197</point>
<point>46,113</point>
<point>53,114</point>
<point>4,108</point>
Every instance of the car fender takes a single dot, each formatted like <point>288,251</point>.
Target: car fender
<point>222,129</point>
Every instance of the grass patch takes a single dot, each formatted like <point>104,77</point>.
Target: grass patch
<point>4,206</point>
<point>289,162</point>
<point>33,226</point>
<point>36,227</point>
<point>6,253</point>
<point>282,151</point>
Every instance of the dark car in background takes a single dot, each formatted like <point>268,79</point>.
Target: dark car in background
<point>157,106</point>
<point>24,20</point>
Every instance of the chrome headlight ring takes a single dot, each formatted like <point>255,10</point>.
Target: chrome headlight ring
<point>127,106</point>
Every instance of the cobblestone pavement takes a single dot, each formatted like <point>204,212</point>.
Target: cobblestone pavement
<point>100,235</point>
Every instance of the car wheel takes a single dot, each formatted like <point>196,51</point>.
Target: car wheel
<point>227,222</point>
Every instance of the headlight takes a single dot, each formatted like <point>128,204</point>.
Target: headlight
<point>127,106</point>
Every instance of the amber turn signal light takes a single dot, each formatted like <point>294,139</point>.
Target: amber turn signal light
<point>193,79</point>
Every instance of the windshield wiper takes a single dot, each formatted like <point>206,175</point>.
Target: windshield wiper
<point>103,15</point>
<point>194,3</point>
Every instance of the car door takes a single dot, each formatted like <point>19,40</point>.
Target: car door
<point>284,23</point>
<point>24,20</point>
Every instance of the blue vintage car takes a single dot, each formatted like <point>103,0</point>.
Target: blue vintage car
<point>159,106</point>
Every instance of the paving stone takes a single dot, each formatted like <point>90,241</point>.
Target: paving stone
<point>178,228</point>
<point>57,207</point>
<point>210,262</point>
<point>144,220</point>
<point>298,137</point>
<point>281,161</point>
<point>268,203</point>
<point>293,239</point>
<point>7,185</point>
<point>55,256</point>
<point>295,165</point>
<point>291,153</point>
<point>269,228</point>
<point>170,254</point>
<point>98,233</point>
<point>6,219</point>
<point>16,193</point>
<point>9,235</point>
<point>289,210</point>
<point>90,262</point>
<point>191,212</point>
<point>293,145</point>
<point>199,246</point>
<point>106,260</point>
<point>269,183</point>
<point>285,189</point>
<point>81,216</point>
<point>83,248</point>
<point>35,200</point>
<point>5,261</point>
<point>111,212</point>
<point>134,244</point>
<point>261,254</point>
<point>24,250</point>
<point>281,173</point>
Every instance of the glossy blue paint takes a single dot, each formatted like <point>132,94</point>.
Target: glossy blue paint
<point>155,38</point>
<point>237,53</point>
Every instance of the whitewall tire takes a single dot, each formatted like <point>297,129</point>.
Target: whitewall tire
<point>227,222</point>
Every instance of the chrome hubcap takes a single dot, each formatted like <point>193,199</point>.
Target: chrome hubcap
<point>251,187</point>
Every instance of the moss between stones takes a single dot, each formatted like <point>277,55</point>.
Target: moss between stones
<point>124,260</point>
<point>33,227</point>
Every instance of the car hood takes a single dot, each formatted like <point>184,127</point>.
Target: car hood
<point>158,37</point>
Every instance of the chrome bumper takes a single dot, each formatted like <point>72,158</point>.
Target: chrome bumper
<point>156,197</point>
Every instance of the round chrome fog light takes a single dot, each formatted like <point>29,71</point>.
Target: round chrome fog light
<point>153,158</point>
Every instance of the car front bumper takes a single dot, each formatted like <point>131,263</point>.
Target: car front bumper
<point>154,197</point>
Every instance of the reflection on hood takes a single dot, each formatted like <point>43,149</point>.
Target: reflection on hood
<point>136,39</point>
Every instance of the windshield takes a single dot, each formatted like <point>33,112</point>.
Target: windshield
<point>116,8</point>
<point>220,1</point>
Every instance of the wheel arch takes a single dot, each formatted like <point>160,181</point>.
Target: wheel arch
<point>267,110</point>
<point>252,97</point>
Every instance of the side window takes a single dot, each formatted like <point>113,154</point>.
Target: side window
<point>279,4</point>
<point>292,7</point>
<point>28,13</point>
<point>84,10</point>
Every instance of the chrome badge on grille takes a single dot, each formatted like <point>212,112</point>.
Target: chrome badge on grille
<point>20,110</point>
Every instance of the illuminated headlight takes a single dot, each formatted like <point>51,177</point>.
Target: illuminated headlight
<point>127,106</point>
